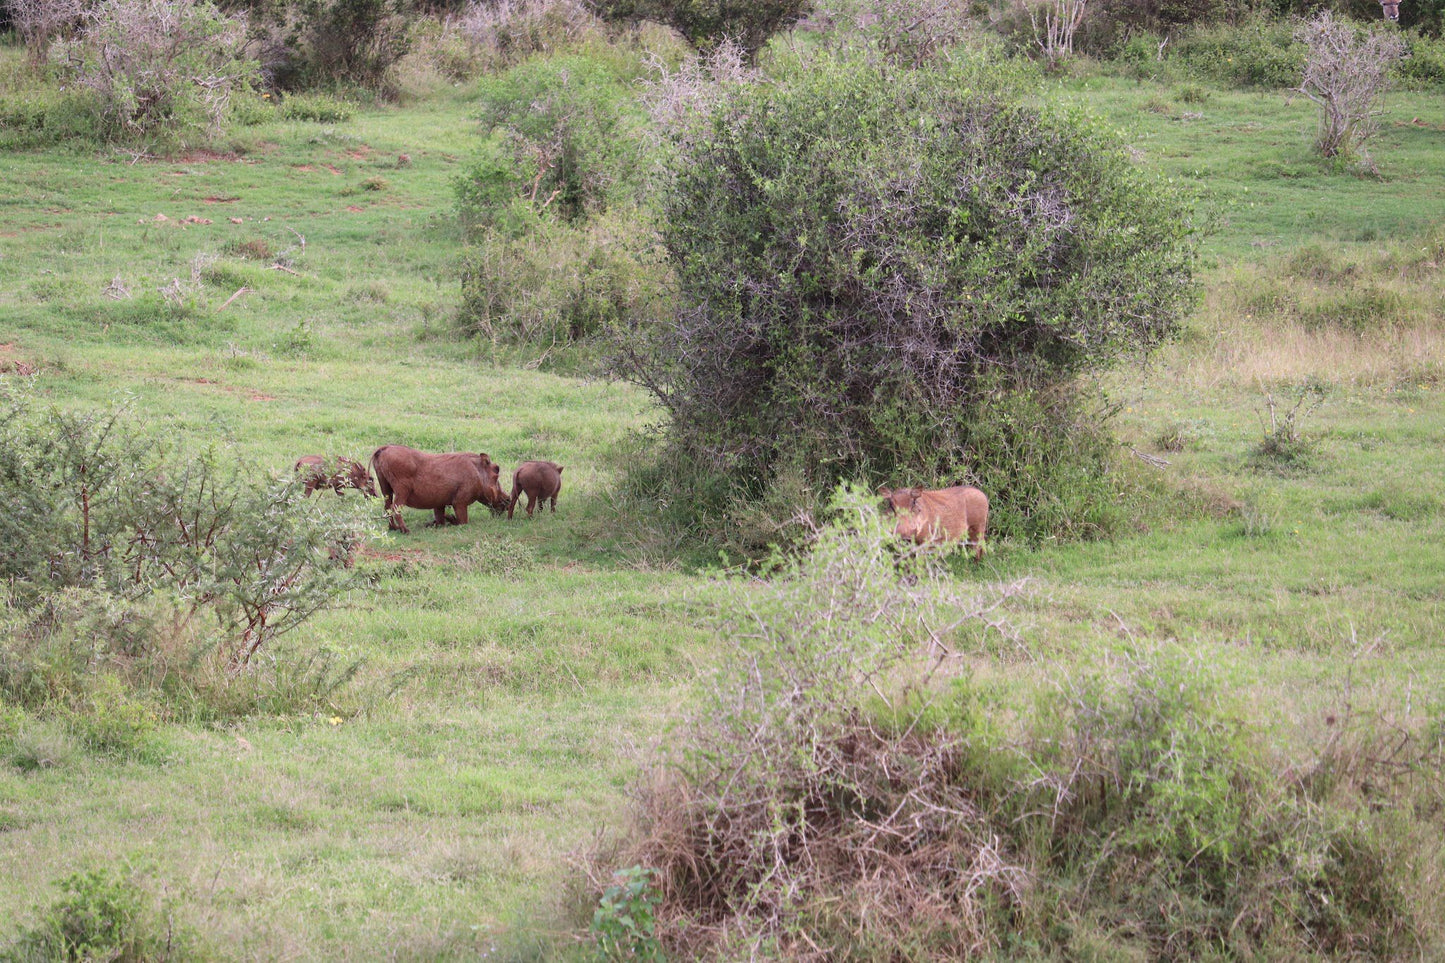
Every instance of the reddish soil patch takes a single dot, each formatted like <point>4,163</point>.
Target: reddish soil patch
<point>359,153</point>
<point>333,169</point>
<point>304,168</point>
<point>219,200</point>
<point>354,209</point>
<point>205,156</point>
<point>12,363</point>
<point>257,396</point>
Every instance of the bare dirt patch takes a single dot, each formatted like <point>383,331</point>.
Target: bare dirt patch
<point>219,200</point>
<point>13,362</point>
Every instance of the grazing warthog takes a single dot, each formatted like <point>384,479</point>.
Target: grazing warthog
<point>541,480</point>
<point>939,515</point>
<point>318,471</point>
<point>416,479</point>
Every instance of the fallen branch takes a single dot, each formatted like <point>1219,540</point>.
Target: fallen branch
<point>240,291</point>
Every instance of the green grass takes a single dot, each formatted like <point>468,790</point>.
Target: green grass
<point>515,673</point>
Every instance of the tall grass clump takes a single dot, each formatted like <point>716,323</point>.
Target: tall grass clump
<point>868,255</point>
<point>842,789</point>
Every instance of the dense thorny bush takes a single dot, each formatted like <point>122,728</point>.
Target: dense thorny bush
<point>193,539</point>
<point>506,32</point>
<point>842,790</point>
<point>786,800</point>
<point>867,254</point>
<point>160,74</point>
<point>330,42</point>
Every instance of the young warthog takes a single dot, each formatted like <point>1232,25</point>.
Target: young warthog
<point>939,515</point>
<point>541,480</point>
<point>318,471</point>
<point>417,479</point>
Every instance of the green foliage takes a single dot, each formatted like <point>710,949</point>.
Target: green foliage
<point>345,42</point>
<point>1423,65</point>
<point>867,254</point>
<point>569,129</point>
<point>158,74</point>
<point>624,922</point>
<point>98,916</point>
<point>559,283</point>
<point>706,23</point>
<point>1258,52</point>
<point>320,108</point>
<point>98,506</point>
<point>1175,824</point>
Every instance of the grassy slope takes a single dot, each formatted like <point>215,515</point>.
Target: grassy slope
<point>511,668</point>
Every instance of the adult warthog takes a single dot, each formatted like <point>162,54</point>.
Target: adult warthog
<point>939,515</point>
<point>417,479</point>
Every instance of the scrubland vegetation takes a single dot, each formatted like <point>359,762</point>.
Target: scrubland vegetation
<point>733,267</point>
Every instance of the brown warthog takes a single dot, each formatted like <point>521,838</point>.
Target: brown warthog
<point>318,471</point>
<point>939,515</point>
<point>541,480</point>
<point>417,479</point>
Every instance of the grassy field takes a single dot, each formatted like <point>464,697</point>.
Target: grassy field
<point>515,673</point>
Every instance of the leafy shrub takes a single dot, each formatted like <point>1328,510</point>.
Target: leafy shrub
<point>98,916</point>
<point>568,129</point>
<point>843,791</point>
<point>1258,52</point>
<point>345,42</point>
<point>866,255</point>
<point>558,283</point>
<point>1424,63</point>
<point>158,73</point>
<point>779,800</point>
<point>624,922</point>
<point>706,23</point>
<point>911,32</point>
<point>1172,821</point>
<point>97,507</point>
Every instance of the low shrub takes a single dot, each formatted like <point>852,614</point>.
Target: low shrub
<point>99,508</point>
<point>1283,445</point>
<point>318,108</point>
<point>843,790</point>
<point>99,915</point>
<point>558,283</point>
<point>156,73</point>
<point>1258,52</point>
<point>505,33</point>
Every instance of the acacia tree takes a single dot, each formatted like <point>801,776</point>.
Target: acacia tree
<point>869,254</point>
<point>1344,73</point>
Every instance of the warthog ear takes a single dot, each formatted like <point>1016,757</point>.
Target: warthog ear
<point>916,491</point>
<point>884,490</point>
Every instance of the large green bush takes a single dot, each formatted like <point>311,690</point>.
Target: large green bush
<point>868,255</point>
